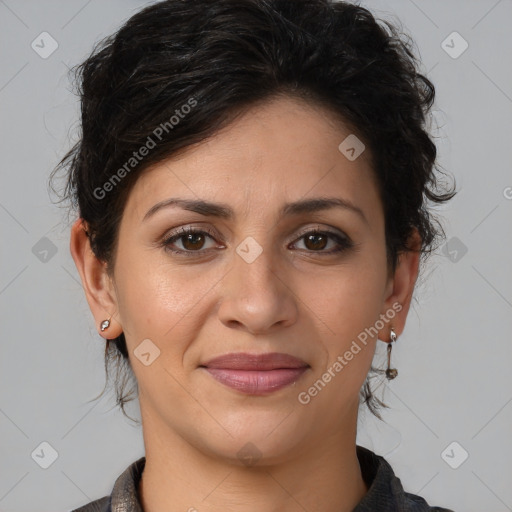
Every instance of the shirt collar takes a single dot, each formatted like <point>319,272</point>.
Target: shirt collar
<point>385,491</point>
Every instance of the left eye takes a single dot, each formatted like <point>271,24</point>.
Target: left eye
<point>317,241</point>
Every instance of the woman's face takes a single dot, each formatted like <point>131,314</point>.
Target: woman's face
<point>255,280</point>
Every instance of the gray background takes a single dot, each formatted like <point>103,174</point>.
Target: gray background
<point>454,357</point>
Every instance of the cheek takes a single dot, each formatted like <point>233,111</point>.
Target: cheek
<point>349,298</point>
<point>160,300</point>
<point>348,307</point>
<point>347,303</point>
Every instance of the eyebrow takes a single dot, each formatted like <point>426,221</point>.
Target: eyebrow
<point>224,211</point>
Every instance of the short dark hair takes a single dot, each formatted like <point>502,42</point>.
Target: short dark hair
<point>221,58</point>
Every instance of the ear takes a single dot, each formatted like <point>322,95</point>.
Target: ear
<point>98,286</point>
<point>400,287</point>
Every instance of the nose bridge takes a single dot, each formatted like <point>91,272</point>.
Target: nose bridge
<point>255,265</point>
<point>256,296</point>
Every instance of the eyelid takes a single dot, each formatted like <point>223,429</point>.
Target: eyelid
<point>184,230</point>
<point>318,227</point>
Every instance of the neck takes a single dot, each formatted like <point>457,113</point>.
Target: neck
<point>325,477</point>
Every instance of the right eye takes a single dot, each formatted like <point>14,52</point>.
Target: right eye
<point>192,241</point>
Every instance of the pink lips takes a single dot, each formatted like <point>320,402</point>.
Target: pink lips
<point>256,374</point>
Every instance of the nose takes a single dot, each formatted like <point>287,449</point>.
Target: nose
<point>257,295</point>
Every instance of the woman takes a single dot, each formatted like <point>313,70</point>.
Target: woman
<point>252,184</point>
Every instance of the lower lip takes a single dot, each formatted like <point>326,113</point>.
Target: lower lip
<point>256,382</point>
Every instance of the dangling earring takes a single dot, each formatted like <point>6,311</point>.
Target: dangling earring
<point>105,325</point>
<point>391,373</point>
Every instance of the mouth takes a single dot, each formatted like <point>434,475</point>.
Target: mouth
<point>256,374</point>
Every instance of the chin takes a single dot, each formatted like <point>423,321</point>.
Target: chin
<point>259,437</point>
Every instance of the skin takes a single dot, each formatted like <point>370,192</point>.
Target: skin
<point>293,298</point>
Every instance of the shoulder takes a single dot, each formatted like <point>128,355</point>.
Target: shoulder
<point>385,490</point>
<point>414,503</point>
<point>100,505</point>
<point>124,495</point>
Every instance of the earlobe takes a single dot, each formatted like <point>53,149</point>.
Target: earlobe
<point>97,284</point>
<point>402,286</point>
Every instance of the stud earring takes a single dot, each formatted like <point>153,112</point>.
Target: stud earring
<point>105,325</point>
<point>391,373</point>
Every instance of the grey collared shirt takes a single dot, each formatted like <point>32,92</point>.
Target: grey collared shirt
<point>385,491</point>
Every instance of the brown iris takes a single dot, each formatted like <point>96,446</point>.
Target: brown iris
<point>193,241</point>
<point>315,241</point>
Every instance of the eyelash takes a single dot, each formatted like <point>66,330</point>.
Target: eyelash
<point>344,243</point>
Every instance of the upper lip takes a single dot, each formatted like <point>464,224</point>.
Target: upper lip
<point>245,361</point>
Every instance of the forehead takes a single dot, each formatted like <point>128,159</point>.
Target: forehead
<point>276,151</point>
